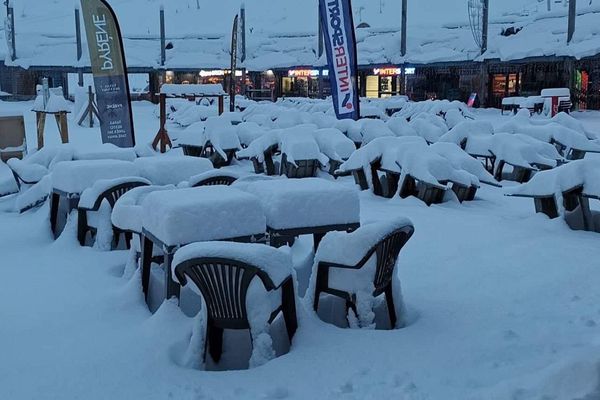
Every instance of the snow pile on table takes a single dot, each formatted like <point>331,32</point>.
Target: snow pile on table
<point>474,136</point>
<point>583,174</point>
<point>185,216</point>
<point>374,128</point>
<point>106,151</point>
<point>401,127</point>
<point>430,127</point>
<point>301,203</point>
<point>411,156</point>
<point>523,151</point>
<point>165,170</point>
<point>561,129</point>
<point>334,144</point>
<point>76,176</point>
<point>128,212</point>
<point>221,135</point>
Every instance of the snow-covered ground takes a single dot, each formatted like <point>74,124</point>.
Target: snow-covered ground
<point>502,304</point>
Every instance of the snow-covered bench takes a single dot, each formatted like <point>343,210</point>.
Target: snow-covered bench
<point>566,191</point>
<point>224,273</point>
<point>95,207</point>
<point>309,206</point>
<point>71,178</point>
<point>172,219</point>
<point>360,266</point>
<point>171,170</point>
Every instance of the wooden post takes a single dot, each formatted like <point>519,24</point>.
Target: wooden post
<point>40,119</point>
<point>162,137</point>
<point>63,127</point>
<point>572,16</point>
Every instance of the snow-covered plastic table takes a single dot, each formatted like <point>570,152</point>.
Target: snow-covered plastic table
<point>71,178</point>
<point>168,170</point>
<point>171,219</point>
<point>310,206</point>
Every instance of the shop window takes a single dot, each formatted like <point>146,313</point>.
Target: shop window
<point>372,86</point>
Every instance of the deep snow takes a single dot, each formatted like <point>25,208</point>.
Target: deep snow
<point>503,304</point>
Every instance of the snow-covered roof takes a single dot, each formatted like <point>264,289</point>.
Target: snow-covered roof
<point>283,34</point>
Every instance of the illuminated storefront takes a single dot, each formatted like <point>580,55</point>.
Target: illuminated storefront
<point>304,82</point>
<point>385,81</point>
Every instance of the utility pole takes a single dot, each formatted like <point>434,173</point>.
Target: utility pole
<point>403,46</point>
<point>485,26</point>
<point>79,49</point>
<point>572,16</point>
<point>320,41</point>
<point>10,16</point>
<point>549,5</point>
<point>163,39</point>
<point>243,45</point>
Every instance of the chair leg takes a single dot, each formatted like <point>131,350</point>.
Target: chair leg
<point>128,239</point>
<point>321,283</point>
<point>288,306</point>
<point>389,298</point>
<point>215,342</point>
<point>351,306</point>
<point>54,203</point>
<point>81,227</point>
<point>147,247</point>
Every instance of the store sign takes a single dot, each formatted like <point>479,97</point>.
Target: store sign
<point>340,44</point>
<point>110,73</point>
<point>387,71</point>
<point>392,71</point>
<point>217,73</point>
<point>306,73</point>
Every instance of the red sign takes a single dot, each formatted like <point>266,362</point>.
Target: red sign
<point>555,102</point>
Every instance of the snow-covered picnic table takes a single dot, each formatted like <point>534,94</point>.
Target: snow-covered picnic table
<point>566,191</point>
<point>171,219</point>
<point>306,206</point>
<point>71,178</point>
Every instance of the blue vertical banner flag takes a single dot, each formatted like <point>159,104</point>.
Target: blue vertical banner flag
<point>340,45</point>
<point>110,72</point>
